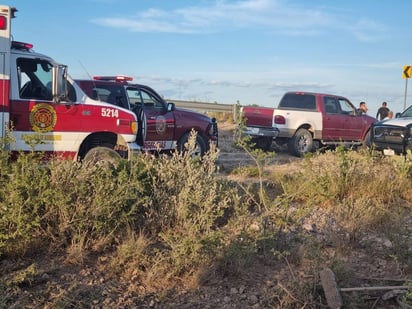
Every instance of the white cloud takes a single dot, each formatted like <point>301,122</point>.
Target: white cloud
<point>384,65</point>
<point>266,15</point>
<point>366,30</point>
<point>189,83</point>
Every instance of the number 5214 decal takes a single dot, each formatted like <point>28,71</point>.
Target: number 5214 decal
<point>110,112</point>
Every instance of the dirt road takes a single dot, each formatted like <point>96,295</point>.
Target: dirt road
<point>232,157</point>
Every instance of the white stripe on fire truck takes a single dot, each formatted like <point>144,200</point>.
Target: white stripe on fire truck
<point>54,141</point>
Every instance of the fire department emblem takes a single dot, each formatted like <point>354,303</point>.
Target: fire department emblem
<point>43,117</point>
<point>160,125</point>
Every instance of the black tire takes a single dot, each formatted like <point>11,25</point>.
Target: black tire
<point>141,125</point>
<point>367,142</point>
<point>201,146</point>
<point>102,156</point>
<point>301,143</point>
<point>262,142</point>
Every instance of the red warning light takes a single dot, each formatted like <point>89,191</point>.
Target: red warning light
<point>21,45</point>
<point>3,22</point>
<point>117,78</point>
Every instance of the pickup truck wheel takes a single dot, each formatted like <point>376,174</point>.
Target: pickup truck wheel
<point>263,143</point>
<point>200,146</point>
<point>367,143</point>
<point>301,143</point>
<point>101,155</point>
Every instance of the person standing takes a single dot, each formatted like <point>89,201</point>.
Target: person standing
<point>363,109</point>
<point>382,111</point>
<point>389,116</point>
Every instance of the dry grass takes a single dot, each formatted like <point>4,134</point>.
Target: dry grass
<point>172,231</point>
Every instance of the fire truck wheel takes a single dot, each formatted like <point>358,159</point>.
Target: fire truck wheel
<point>102,156</point>
<point>200,147</point>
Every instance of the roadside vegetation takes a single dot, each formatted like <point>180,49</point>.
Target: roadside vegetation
<point>141,232</point>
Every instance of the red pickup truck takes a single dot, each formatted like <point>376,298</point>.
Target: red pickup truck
<point>308,120</point>
<point>162,126</point>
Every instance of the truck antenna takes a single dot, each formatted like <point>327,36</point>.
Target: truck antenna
<point>84,68</point>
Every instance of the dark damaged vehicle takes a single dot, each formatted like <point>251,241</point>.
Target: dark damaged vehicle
<point>393,136</point>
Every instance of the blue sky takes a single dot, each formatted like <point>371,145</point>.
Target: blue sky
<point>224,51</point>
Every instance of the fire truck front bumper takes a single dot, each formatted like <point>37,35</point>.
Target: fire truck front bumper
<point>134,149</point>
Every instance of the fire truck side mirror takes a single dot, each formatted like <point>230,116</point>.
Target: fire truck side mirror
<point>60,92</point>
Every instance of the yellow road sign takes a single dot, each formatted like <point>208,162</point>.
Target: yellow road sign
<point>406,72</point>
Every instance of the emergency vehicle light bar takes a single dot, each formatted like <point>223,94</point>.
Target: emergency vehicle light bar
<point>21,45</point>
<point>118,78</point>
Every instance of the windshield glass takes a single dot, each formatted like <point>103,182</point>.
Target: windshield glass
<point>407,112</point>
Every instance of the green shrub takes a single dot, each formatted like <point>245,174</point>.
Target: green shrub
<point>187,205</point>
<point>23,200</point>
<point>62,202</point>
<point>95,203</point>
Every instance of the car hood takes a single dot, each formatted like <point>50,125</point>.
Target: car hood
<point>186,113</point>
<point>403,122</point>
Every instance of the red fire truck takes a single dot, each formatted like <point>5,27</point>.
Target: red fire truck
<point>39,101</point>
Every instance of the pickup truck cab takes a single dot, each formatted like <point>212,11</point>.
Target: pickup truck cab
<point>393,136</point>
<point>162,126</point>
<point>308,120</point>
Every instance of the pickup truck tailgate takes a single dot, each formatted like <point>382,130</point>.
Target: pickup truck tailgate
<point>258,116</point>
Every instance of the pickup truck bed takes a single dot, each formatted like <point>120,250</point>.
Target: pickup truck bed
<point>260,126</point>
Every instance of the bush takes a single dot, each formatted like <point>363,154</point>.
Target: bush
<point>173,200</point>
<point>160,220</point>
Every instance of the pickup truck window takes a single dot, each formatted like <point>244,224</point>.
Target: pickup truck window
<point>134,96</point>
<point>331,105</point>
<point>141,97</point>
<point>299,101</point>
<point>111,94</point>
<point>346,107</point>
